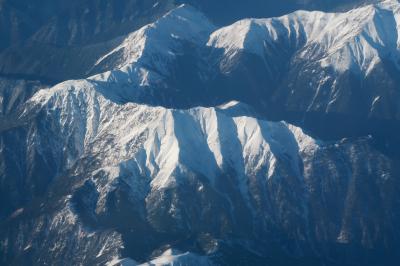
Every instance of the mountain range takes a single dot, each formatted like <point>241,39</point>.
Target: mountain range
<point>199,139</point>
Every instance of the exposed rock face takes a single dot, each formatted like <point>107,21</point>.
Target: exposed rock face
<point>167,154</point>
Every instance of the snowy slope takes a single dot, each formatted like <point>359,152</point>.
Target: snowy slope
<point>144,57</point>
<point>303,62</point>
<point>131,175</point>
<point>174,257</point>
<point>165,144</point>
<point>326,63</point>
<point>355,39</point>
<point>169,257</point>
<point>150,152</point>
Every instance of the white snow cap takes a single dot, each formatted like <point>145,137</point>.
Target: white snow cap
<point>343,40</point>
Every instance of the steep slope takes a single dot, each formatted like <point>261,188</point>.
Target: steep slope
<point>87,21</point>
<point>322,67</point>
<point>168,257</point>
<point>356,41</point>
<point>158,41</point>
<point>313,69</point>
<point>75,22</point>
<point>48,31</point>
<point>357,36</point>
<point>158,64</point>
<point>124,167</point>
<point>49,39</point>
<point>150,169</point>
<point>124,172</point>
<point>235,10</point>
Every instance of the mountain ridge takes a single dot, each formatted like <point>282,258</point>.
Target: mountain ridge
<point>167,152</point>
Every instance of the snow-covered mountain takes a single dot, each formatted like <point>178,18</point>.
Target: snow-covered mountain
<point>216,175</point>
<point>354,39</point>
<point>161,143</point>
<point>321,49</point>
<point>65,36</point>
<point>278,60</point>
<point>313,66</point>
<point>176,141</point>
<point>313,69</point>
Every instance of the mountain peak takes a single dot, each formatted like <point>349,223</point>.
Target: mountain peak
<point>183,23</point>
<point>357,36</point>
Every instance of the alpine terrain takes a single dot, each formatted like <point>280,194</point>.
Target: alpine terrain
<point>180,133</point>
